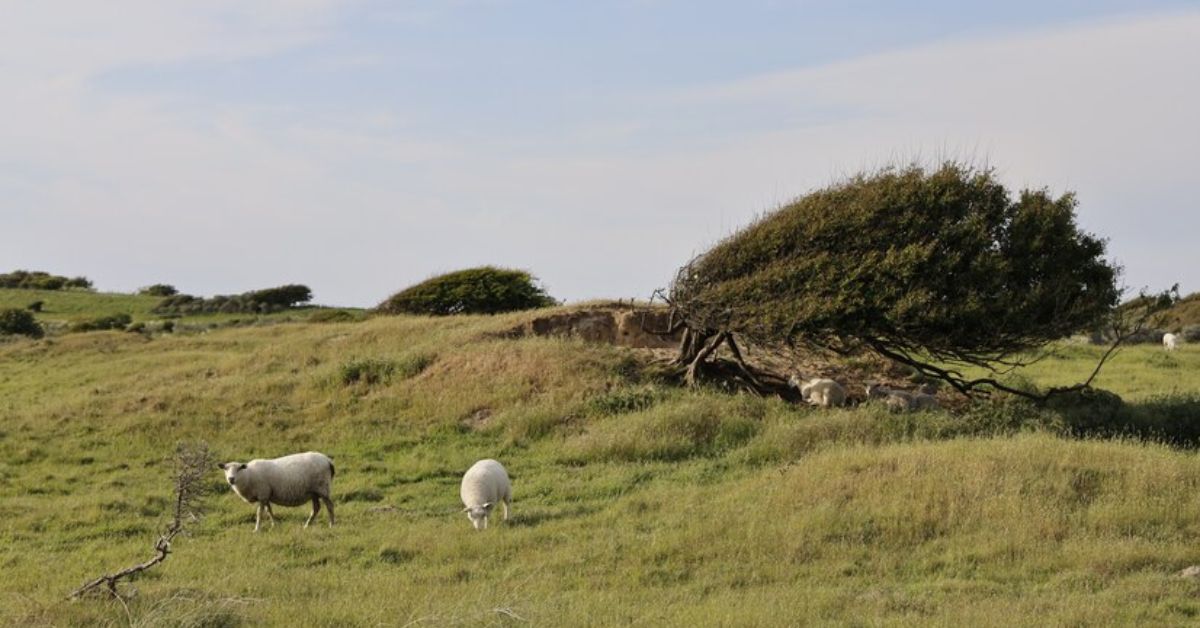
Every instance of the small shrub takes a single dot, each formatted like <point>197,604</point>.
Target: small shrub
<point>1191,333</point>
<point>158,290</point>
<point>19,322</point>
<point>332,316</point>
<point>624,400</point>
<point>367,371</point>
<point>102,323</point>
<point>36,306</point>
<point>414,365</point>
<point>484,290</point>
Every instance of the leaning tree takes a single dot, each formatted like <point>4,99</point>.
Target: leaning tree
<point>935,269</point>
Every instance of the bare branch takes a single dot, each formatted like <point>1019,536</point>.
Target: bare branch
<point>192,462</point>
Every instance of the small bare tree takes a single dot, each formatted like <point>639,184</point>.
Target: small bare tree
<point>192,462</point>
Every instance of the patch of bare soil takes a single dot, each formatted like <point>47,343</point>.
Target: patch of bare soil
<point>623,326</point>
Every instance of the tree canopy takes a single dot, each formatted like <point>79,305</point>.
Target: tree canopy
<point>482,290</point>
<point>920,266</point>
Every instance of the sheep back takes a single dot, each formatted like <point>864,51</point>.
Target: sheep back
<point>288,481</point>
<point>486,481</point>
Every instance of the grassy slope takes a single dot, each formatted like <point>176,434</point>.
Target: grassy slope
<point>68,306</point>
<point>633,502</point>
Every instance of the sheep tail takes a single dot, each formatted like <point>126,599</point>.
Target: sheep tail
<point>332,471</point>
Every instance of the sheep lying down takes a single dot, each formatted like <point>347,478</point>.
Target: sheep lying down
<point>288,481</point>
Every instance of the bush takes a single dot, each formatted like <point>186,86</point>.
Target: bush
<point>115,321</point>
<point>36,306</point>
<point>368,371</point>
<point>19,322</point>
<point>254,302</point>
<point>284,296</point>
<point>38,280</point>
<point>333,316</point>
<point>158,290</point>
<point>484,290</point>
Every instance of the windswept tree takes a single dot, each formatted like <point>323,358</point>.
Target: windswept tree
<point>933,269</point>
<point>482,290</point>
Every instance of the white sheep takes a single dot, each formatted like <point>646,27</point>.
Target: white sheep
<point>896,400</point>
<point>821,391</point>
<point>287,481</point>
<point>924,401</point>
<point>483,485</point>
<point>1169,341</point>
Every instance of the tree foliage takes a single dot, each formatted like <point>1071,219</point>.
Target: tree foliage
<point>919,266</point>
<point>158,290</point>
<point>254,302</point>
<point>19,322</point>
<point>38,280</point>
<point>483,290</point>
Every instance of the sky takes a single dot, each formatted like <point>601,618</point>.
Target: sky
<point>358,147</point>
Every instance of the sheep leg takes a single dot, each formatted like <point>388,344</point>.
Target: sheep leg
<point>258,517</point>
<point>316,501</point>
<point>329,507</point>
<point>505,504</point>
<point>270,514</point>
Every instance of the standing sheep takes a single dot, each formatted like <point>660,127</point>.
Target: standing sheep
<point>484,484</point>
<point>1169,341</point>
<point>287,481</point>
<point>821,391</point>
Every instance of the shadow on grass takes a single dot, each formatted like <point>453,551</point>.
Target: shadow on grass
<point>535,517</point>
<point>1171,419</point>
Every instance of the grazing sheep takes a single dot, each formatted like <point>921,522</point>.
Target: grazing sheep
<point>287,481</point>
<point>821,391</point>
<point>1169,341</point>
<point>484,484</point>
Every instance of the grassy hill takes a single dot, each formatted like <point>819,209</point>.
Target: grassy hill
<point>62,307</point>
<point>635,501</point>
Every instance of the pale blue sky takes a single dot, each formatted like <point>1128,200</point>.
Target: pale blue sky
<point>358,147</point>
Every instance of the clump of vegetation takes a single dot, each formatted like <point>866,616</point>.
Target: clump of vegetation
<point>366,371</point>
<point>333,316</point>
<point>38,280</point>
<point>376,370</point>
<point>36,306</point>
<point>103,323</point>
<point>484,290</point>
<point>925,268</point>
<point>253,302</point>
<point>158,290</point>
<point>19,322</point>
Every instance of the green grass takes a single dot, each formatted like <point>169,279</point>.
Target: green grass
<point>635,502</point>
<point>63,307</point>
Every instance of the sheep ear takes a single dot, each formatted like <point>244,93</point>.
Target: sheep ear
<point>242,467</point>
<point>488,506</point>
<point>221,466</point>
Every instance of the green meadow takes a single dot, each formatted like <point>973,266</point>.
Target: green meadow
<point>635,501</point>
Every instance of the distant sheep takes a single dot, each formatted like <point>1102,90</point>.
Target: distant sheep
<point>902,400</point>
<point>483,486</point>
<point>821,391</point>
<point>1169,341</point>
<point>287,481</point>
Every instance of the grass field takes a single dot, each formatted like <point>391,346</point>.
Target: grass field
<point>635,502</point>
<point>62,307</point>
